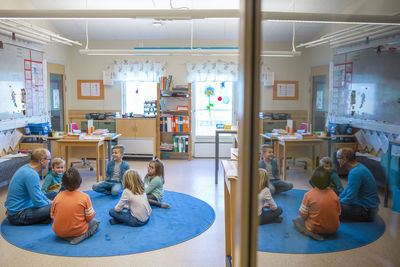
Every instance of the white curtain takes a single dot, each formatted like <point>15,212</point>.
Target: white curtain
<point>212,71</point>
<point>138,71</point>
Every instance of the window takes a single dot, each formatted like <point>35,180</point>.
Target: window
<point>136,93</point>
<point>212,108</point>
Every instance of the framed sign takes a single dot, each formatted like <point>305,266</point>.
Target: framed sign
<point>90,89</point>
<point>286,90</point>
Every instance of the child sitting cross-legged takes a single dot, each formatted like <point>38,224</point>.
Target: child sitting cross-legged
<point>114,173</point>
<point>268,212</point>
<point>320,208</point>
<point>52,181</point>
<point>154,183</point>
<point>72,211</point>
<point>138,210</point>
<point>270,164</point>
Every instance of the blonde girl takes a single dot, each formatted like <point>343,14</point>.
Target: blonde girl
<point>268,212</point>
<point>153,183</point>
<point>133,208</point>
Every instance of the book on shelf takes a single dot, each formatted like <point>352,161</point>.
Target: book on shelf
<point>174,124</point>
<point>166,83</point>
<point>180,87</point>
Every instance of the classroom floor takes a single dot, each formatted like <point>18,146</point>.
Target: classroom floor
<point>196,178</point>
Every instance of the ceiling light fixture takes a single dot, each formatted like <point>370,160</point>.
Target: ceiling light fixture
<point>181,51</point>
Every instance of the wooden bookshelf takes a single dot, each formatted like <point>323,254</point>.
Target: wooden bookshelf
<point>169,105</point>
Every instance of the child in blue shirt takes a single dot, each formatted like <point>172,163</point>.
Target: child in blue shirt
<point>53,180</point>
<point>114,173</point>
<point>270,164</point>
<point>335,184</point>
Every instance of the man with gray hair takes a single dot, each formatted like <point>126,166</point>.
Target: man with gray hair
<point>25,203</point>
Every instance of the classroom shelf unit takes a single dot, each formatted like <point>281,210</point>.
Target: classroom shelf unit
<point>174,134</point>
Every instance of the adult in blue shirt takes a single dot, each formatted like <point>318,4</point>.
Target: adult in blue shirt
<point>359,200</point>
<point>25,203</point>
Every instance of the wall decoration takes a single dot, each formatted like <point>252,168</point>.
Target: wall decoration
<point>286,90</point>
<point>209,92</point>
<point>90,89</point>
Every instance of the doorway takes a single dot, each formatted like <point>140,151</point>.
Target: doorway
<point>319,97</point>
<point>56,92</point>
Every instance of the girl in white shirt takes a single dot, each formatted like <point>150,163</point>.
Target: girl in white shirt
<point>133,208</point>
<point>268,212</point>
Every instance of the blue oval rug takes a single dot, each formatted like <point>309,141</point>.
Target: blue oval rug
<point>187,218</point>
<point>284,238</point>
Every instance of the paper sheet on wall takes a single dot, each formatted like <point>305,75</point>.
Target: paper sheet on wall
<point>85,89</point>
<point>270,79</point>
<point>2,141</point>
<point>15,137</point>
<point>107,77</point>
<point>95,89</point>
<point>286,90</point>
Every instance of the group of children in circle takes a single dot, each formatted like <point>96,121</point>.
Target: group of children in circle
<point>320,208</point>
<point>72,211</point>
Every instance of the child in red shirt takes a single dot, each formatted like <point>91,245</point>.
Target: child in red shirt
<point>72,211</point>
<point>320,208</point>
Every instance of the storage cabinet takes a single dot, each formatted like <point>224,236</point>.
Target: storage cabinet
<point>138,135</point>
<point>174,137</point>
<point>100,124</point>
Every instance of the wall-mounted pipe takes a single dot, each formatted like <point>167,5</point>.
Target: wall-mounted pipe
<point>8,33</point>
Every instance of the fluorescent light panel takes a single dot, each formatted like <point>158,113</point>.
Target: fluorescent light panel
<point>181,51</point>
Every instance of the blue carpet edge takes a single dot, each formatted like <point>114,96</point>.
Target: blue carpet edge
<point>123,254</point>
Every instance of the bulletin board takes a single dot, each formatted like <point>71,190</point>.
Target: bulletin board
<point>286,90</point>
<point>90,89</point>
<point>22,90</point>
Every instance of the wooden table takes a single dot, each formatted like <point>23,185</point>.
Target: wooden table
<point>217,133</point>
<point>98,144</point>
<point>289,143</point>
<point>230,187</point>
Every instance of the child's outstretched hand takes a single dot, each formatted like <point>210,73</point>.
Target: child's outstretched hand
<point>266,205</point>
<point>126,207</point>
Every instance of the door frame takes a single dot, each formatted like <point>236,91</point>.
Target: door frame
<point>57,69</point>
<point>318,71</point>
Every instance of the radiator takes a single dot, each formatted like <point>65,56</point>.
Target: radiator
<point>138,146</point>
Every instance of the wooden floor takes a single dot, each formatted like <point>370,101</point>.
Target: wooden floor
<point>196,178</point>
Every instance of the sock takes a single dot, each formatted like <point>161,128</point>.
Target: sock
<point>165,205</point>
<point>113,221</point>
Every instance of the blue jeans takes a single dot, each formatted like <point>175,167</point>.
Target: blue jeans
<point>126,217</point>
<point>277,186</point>
<point>268,216</point>
<point>354,212</point>
<point>30,216</point>
<point>108,187</point>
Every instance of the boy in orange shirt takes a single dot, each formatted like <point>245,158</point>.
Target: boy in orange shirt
<point>320,208</point>
<point>72,211</point>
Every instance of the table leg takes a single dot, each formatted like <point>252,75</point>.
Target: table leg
<point>97,163</point>
<point>313,157</point>
<point>59,151</point>
<point>216,156</point>
<point>278,156</point>
<point>103,166</point>
<point>66,156</point>
<point>284,162</point>
<point>228,230</point>
<point>109,144</point>
<point>233,220</point>
<point>386,191</point>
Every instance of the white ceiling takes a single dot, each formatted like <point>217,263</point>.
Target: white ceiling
<point>205,29</point>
